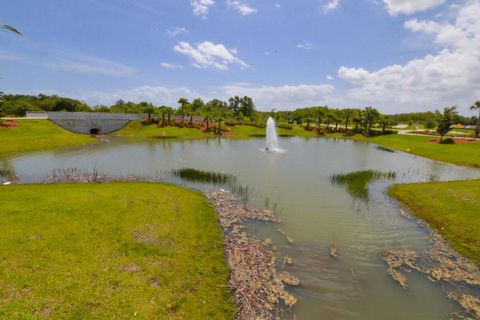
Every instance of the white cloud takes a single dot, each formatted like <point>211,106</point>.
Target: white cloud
<point>155,94</point>
<point>283,97</point>
<point>395,7</point>
<point>210,55</point>
<point>305,46</point>
<point>448,77</point>
<point>201,7</point>
<point>331,5</point>
<point>167,65</point>
<point>241,7</point>
<point>10,56</point>
<point>329,77</point>
<point>176,31</point>
<point>89,64</point>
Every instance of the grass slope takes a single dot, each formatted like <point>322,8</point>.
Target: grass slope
<point>136,129</point>
<point>33,135</point>
<point>464,154</point>
<point>110,251</point>
<point>452,208</point>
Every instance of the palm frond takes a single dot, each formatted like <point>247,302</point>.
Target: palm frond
<point>12,29</point>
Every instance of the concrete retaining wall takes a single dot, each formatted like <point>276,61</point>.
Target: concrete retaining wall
<point>88,122</point>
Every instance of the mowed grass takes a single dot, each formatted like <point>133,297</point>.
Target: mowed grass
<point>110,251</point>
<point>33,135</point>
<point>136,129</point>
<point>452,208</point>
<point>467,154</point>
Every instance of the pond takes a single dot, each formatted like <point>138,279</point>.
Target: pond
<point>318,212</point>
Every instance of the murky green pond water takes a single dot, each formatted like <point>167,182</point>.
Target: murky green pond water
<point>316,213</point>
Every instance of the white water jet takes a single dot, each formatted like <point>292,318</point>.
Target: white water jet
<point>272,137</point>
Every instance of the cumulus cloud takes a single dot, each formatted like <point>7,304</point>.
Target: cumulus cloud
<point>449,77</point>
<point>329,77</point>
<point>201,7</point>
<point>167,65</point>
<point>282,97</point>
<point>395,7</point>
<point>210,55</point>
<point>331,5</point>
<point>241,7</point>
<point>158,95</point>
<point>176,31</point>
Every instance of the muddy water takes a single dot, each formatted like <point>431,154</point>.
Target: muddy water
<point>317,214</point>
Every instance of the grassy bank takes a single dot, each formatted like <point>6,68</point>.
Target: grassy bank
<point>467,154</point>
<point>33,135</point>
<point>136,129</point>
<point>452,208</point>
<point>110,251</point>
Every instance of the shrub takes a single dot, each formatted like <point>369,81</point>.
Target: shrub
<point>448,140</point>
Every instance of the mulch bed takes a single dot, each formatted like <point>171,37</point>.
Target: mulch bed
<point>457,141</point>
<point>7,124</point>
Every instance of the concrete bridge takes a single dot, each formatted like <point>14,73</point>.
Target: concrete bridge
<point>88,122</point>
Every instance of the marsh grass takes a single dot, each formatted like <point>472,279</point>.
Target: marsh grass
<point>226,180</point>
<point>379,147</point>
<point>357,182</point>
<point>195,175</point>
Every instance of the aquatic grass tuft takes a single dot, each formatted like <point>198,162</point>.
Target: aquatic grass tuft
<point>357,182</point>
<point>195,175</point>
<point>385,149</point>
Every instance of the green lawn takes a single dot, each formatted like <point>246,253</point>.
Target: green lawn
<point>452,208</point>
<point>33,135</point>
<point>136,129</point>
<point>110,251</point>
<point>464,154</point>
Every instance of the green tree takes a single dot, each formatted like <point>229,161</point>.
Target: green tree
<point>476,106</point>
<point>370,115</point>
<point>445,121</point>
<point>384,122</point>
<point>348,114</point>
<point>184,104</point>
<point>149,109</point>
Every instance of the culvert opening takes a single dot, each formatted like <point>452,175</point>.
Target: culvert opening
<point>94,131</point>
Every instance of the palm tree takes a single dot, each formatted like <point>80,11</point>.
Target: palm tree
<point>149,109</point>
<point>183,104</point>
<point>11,29</point>
<point>348,113</point>
<point>476,106</point>
<point>384,122</point>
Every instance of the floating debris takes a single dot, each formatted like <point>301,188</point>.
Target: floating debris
<point>333,252</point>
<point>450,266</point>
<point>290,240</point>
<point>287,278</point>
<point>398,260</point>
<point>232,211</point>
<point>288,261</point>
<point>257,287</point>
<point>470,303</point>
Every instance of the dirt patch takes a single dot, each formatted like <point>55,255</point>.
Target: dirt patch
<point>8,124</point>
<point>258,289</point>
<point>457,141</point>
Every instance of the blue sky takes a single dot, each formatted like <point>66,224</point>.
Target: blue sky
<point>396,55</point>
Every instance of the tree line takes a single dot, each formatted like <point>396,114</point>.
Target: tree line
<point>240,110</point>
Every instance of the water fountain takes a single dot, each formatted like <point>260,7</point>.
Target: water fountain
<point>272,138</point>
